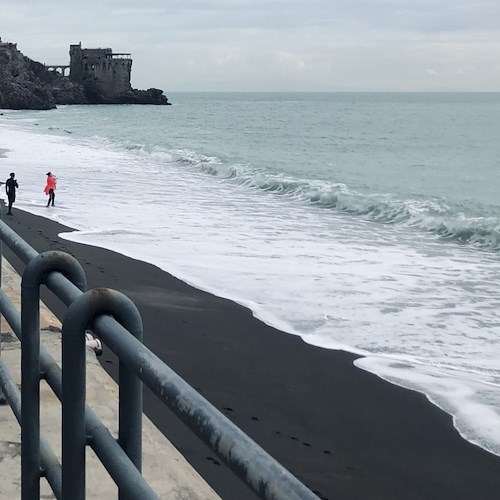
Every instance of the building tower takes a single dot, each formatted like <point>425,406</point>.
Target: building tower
<point>102,69</point>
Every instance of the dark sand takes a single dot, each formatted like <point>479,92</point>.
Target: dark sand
<point>344,432</point>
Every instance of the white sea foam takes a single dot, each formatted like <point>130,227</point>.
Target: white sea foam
<point>423,312</point>
<point>471,398</point>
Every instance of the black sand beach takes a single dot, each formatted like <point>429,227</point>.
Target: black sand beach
<point>345,433</point>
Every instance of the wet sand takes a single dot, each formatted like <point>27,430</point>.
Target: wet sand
<point>344,432</point>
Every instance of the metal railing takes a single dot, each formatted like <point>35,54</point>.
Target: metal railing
<point>115,319</point>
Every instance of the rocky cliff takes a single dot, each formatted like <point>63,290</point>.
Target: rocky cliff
<point>27,84</point>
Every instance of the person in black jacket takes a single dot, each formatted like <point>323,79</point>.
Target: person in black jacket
<point>10,188</point>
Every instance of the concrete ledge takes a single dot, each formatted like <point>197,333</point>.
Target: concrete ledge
<point>165,469</point>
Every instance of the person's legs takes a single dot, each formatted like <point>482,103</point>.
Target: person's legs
<point>11,201</point>
<point>51,191</point>
<point>53,197</point>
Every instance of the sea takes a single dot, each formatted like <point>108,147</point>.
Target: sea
<point>365,222</point>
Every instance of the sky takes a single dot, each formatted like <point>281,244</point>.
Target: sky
<point>274,45</point>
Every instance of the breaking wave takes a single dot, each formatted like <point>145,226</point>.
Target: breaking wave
<point>463,224</point>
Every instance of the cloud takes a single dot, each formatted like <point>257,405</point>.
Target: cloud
<point>274,44</point>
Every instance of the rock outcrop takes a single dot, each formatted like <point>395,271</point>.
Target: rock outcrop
<point>24,84</point>
<point>133,96</point>
<point>27,84</point>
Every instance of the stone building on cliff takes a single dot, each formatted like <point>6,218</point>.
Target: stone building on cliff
<point>105,76</point>
<point>107,72</point>
<point>7,45</point>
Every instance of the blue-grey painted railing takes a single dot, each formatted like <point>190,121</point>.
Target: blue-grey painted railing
<point>78,318</point>
<point>33,277</point>
<point>115,319</point>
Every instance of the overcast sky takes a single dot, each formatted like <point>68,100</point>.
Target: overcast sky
<point>275,45</point>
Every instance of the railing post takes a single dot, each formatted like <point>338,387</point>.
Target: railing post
<point>34,276</point>
<point>80,316</point>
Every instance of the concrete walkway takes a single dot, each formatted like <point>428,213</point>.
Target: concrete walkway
<point>165,469</point>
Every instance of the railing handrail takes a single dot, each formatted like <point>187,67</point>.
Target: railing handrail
<point>262,473</point>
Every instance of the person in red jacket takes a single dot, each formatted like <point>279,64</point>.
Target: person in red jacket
<point>50,188</point>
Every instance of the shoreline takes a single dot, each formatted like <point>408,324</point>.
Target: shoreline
<point>344,432</point>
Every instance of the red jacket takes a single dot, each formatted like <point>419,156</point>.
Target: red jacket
<point>51,184</point>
